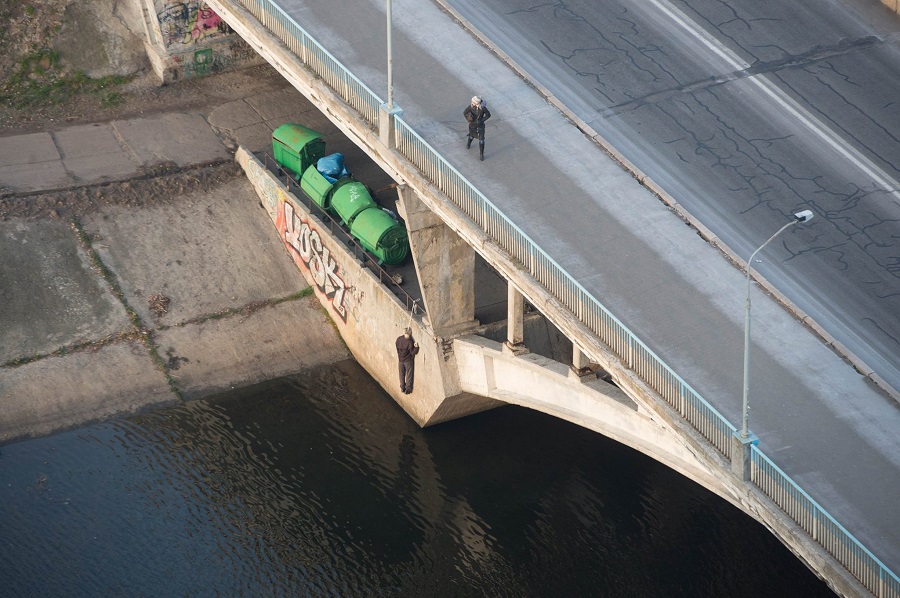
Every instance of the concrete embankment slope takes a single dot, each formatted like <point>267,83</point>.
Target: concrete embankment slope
<point>150,290</point>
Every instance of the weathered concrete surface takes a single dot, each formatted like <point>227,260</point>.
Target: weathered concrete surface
<point>445,266</point>
<point>220,354</point>
<point>368,315</point>
<point>235,315</point>
<point>49,295</point>
<point>60,392</point>
<point>106,151</point>
<point>181,138</point>
<point>250,121</point>
<point>206,252</point>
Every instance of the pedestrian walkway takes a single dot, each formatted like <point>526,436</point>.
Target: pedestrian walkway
<point>105,151</point>
<point>825,425</point>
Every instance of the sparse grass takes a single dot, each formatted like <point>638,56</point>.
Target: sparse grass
<point>40,79</point>
<point>144,332</point>
<point>244,310</point>
<point>73,348</point>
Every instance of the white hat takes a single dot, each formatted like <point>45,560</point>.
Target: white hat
<point>476,99</point>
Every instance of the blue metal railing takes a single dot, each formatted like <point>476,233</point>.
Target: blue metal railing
<point>823,528</point>
<point>316,58</point>
<point>774,483</point>
<point>543,268</point>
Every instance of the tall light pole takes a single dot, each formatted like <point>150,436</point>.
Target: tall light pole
<point>390,61</point>
<point>804,216</point>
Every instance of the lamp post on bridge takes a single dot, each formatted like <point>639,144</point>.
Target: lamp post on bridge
<point>390,62</point>
<point>387,110</point>
<point>740,462</point>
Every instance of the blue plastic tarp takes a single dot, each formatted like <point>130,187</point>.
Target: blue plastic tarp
<point>332,167</point>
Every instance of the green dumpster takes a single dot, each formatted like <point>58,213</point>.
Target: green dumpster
<point>317,187</point>
<point>349,199</point>
<point>296,147</point>
<point>378,232</point>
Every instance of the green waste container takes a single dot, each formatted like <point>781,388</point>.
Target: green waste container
<point>317,187</point>
<point>296,147</point>
<point>378,232</point>
<point>349,198</point>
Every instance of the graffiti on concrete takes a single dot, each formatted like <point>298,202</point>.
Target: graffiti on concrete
<point>189,22</point>
<point>208,61</point>
<point>311,253</point>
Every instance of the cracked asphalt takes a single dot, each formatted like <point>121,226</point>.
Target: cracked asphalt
<point>745,113</point>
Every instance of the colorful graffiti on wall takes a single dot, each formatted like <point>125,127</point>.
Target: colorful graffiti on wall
<point>185,23</point>
<point>311,253</point>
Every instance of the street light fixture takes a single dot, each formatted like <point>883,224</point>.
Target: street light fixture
<point>799,217</point>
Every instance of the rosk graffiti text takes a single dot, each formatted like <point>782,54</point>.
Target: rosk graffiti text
<point>317,258</point>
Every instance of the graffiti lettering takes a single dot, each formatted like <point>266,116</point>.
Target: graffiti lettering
<point>189,22</point>
<point>317,258</point>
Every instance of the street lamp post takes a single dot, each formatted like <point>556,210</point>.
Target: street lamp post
<point>799,217</point>
<point>390,62</point>
<point>388,111</point>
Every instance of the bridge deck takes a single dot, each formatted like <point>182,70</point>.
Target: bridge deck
<point>825,425</point>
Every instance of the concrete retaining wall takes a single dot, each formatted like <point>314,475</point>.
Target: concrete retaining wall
<point>366,313</point>
<point>188,39</point>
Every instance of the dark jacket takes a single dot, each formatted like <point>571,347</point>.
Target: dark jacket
<point>476,117</point>
<point>406,349</point>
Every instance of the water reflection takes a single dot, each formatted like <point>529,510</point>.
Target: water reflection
<point>319,485</point>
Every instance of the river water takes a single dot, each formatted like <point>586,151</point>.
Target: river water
<point>319,485</point>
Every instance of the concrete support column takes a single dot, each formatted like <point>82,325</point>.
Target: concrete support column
<point>740,455</point>
<point>515,321</point>
<point>581,365</point>
<point>386,124</point>
<point>445,265</point>
<point>579,359</point>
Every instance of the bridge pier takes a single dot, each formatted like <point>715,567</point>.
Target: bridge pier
<point>445,265</point>
<point>581,365</point>
<point>515,322</point>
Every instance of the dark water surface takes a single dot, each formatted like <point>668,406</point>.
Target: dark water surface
<point>319,485</point>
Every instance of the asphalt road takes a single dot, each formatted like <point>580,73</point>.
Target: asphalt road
<point>746,112</point>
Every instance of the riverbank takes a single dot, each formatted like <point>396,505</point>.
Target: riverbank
<point>139,269</point>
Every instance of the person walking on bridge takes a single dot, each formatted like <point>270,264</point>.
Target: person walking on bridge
<point>407,349</point>
<point>476,113</point>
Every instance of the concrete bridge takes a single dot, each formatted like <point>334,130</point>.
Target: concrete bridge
<point>641,297</point>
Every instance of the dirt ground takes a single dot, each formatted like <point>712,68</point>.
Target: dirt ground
<point>141,98</point>
<point>44,55</point>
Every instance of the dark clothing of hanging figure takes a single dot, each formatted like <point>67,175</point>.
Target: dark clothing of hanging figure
<point>476,113</point>
<point>407,349</point>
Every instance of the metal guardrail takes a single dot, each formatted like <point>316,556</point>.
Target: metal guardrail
<point>822,527</point>
<point>638,356</point>
<point>317,58</point>
<point>774,483</point>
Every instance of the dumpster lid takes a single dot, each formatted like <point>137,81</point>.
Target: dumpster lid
<point>295,136</point>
